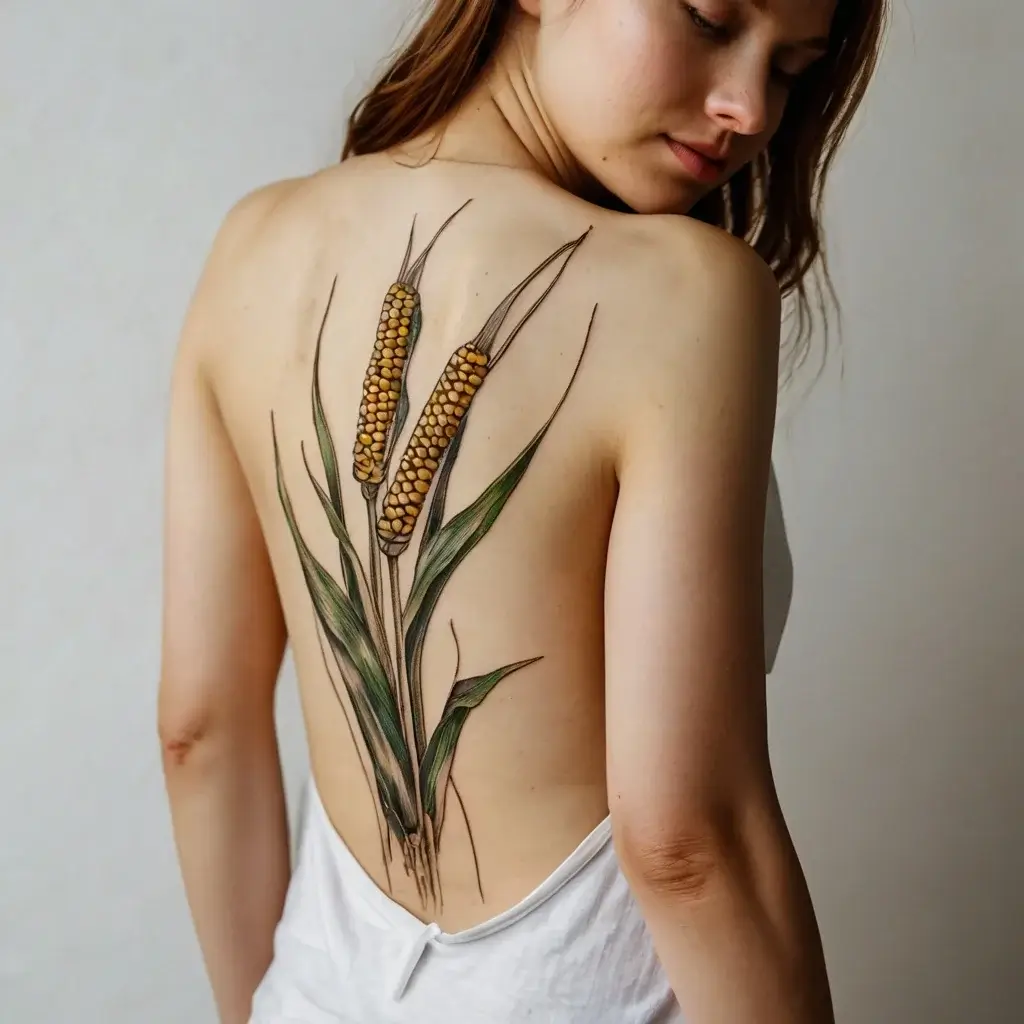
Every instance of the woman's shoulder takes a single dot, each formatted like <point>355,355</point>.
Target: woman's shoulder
<point>686,336</point>
<point>683,289</point>
<point>696,262</point>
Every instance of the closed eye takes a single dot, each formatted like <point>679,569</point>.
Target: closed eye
<point>814,49</point>
<point>712,29</point>
<point>791,78</point>
<point>786,78</point>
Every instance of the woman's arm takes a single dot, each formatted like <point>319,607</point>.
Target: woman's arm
<point>223,641</point>
<point>696,820</point>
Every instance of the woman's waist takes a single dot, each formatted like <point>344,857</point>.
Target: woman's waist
<point>501,839</point>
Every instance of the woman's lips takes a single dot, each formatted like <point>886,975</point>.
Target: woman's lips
<point>699,166</point>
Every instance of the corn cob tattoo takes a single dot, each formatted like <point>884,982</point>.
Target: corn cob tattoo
<point>383,384</point>
<point>437,425</point>
<point>383,381</point>
<point>445,411</point>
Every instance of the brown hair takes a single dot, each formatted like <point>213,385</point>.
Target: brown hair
<point>774,202</point>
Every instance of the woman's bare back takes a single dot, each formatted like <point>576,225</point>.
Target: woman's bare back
<point>500,486</point>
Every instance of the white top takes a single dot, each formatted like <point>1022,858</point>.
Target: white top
<point>575,951</point>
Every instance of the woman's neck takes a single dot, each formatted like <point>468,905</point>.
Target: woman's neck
<point>502,121</point>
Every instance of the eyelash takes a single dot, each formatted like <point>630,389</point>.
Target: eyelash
<point>719,33</point>
<point>786,78</point>
<point>710,28</point>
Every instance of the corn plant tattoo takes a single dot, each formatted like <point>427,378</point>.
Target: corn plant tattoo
<point>380,692</point>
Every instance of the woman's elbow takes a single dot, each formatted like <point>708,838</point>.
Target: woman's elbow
<point>195,723</point>
<point>673,860</point>
<point>185,730</point>
<point>693,856</point>
<point>200,721</point>
<point>683,865</point>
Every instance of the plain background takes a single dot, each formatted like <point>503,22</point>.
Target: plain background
<point>897,702</point>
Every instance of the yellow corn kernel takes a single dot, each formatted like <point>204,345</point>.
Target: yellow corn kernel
<point>382,383</point>
<point>432,434</point>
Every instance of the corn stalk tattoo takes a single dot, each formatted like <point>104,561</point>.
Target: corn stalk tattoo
<point>381,686</point>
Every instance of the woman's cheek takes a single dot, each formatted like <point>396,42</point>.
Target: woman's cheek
<point>642,54</point>
<point>611,77</point>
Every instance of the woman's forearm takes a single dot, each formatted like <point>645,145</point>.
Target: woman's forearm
<point>230,826</point>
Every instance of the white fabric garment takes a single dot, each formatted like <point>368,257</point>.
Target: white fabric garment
<point>575,951</point>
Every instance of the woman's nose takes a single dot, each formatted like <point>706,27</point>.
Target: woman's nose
<point>739,104</point>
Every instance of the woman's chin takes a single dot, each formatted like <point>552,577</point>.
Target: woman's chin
<point>656,198</point>
<point>641,189</point>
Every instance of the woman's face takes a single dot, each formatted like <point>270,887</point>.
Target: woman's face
<point>633,88</point>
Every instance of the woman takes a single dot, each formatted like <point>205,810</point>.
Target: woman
<point>510,520</point>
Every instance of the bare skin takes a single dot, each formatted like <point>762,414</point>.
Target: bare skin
<point>627,560</point>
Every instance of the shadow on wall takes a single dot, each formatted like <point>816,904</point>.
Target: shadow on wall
<point>777,574</point>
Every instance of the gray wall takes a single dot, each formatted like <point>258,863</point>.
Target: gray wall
<point>897,699</point>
